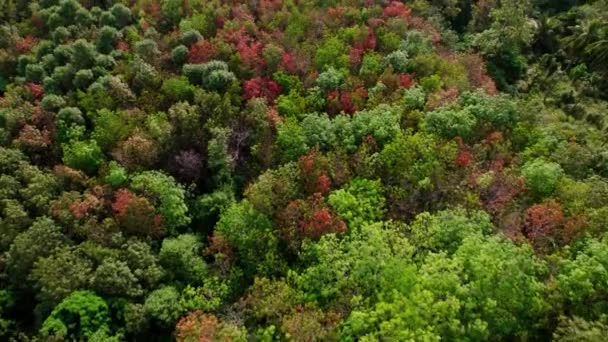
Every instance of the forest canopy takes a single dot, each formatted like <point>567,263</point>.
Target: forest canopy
<point>313,170</point>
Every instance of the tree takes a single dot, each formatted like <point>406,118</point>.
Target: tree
<point>247,230</point>
<point>38,241</point>
<point>261,87</point>
<point>416,43</point>
<point>60,274</point>
<point>499,111</point>
<point>40,187</point>
<point>114,278</point>
<point>213,75</point>
<point>414,98</point>
<point>291,139</point>
<point>360,202</point>
<point>202,51</point>
<point>273,189</point>
<point>582,280</point>
<point>398,60</point>
<point>144,75</point>
<point>190,37</point>
<point>382,123</point>
<point>107,38</point>
<point>143,263</point>
<point>14,218</point>
<point>83,54</point>
<point>445,230</point>
<point>79,316</point>
<point>83,78</point>
<point>188,165</point>
<point>426,306</point>
<point>111,127</point>
<point>200,326</point>
<point>319,131</point>
<point>179,55</point>
<point>543,223</point>
<point>354,267</point>
<point>171,197</point>
<point>541,176</point>
<point>330,79</point>
<point>578,329</point>
<point>331,52</point>
<point>122,15</point>
<point>83,155</point>
<point>178,89</point>
<point>136,215</point>
<point>136,152</point>
<point>451,122</point>
<point>163,307</point>
<point>514,305</point>
<point>172,11</point>
<point>510,32</point>
<point>220,160</point>
<point>148,50</point>
<point>307,219</point>
<point>182,259</point>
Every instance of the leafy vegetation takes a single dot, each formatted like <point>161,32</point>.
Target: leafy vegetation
<point>279,170</point>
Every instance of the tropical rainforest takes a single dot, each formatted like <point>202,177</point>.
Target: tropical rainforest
<point>303,170</point>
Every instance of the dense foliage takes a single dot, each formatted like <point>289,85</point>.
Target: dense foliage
<point>313,170</point>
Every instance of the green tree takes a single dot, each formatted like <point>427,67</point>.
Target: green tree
<point>360,202</point>
<point>60,274</point>
<point>163,306</point>
<point>106,39</point>
<point>181,257</point>
<point>500,111</point>
<point>83,54</point>
<point>576,329</point>
<point>171,197</point>
<point>110,127</point>
<point>331,52</point>
<point>426,306</point>
<point>114,278</point>
<point>38,241</point>
<point>542,176</point>
<point>398,60</point>
<point>143,263</point>
<point>291,140</point>
<point>582,280</point>
<point>178,89</point>
<point>116,175</point>
<point>251,234</point>
<point>330,79</point>
<point>340,272</point>
<point>77,317</point>
<point>513,306</point>
<point>381,122</point>
<point>179,55</point>
<point>445,230</point>
<point>83,155</point>
<point>451,123</point>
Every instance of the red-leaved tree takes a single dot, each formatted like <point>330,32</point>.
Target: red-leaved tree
<point>136,215</point>
<point>310,218</point>
<point>262,87</point>
<point>543,223</point>
<point>201,52</point>
<point>397,9</point>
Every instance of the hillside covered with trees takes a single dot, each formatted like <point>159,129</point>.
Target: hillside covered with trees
<point>312,170</point>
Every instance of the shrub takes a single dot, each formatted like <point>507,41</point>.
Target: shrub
<point>542,176</point>
<point>83,155</point>
<point>190,37</point>
<point>451,122</point>
<point>179,55</point>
